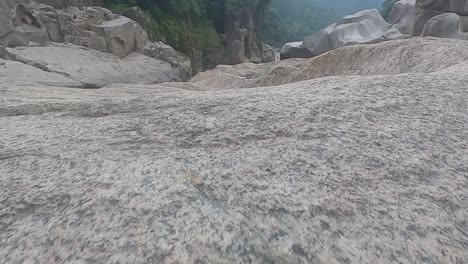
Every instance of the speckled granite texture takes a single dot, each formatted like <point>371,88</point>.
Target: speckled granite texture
<point>344,169</point>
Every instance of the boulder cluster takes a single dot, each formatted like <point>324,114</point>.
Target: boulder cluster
<point>40,23</point>
<point>437,18</point>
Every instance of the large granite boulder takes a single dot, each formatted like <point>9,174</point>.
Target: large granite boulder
<point>448,25</point>
<point>90,68</point>
<point>99,29</point>
<point>295,50</point>
<point>7,14</point>
<point>24,73</point>
<point>366,26</point>
<point>427,9</point>
<point>403,16</point>
<point>21,25</point>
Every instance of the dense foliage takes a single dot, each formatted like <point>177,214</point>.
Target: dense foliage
<point>183,24</point>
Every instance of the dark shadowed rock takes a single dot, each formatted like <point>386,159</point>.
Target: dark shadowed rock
<point>448,25</point>
<point>427,9</point>
<point>295,50</point>
<point>243,34</point>
<point>270,54</point>
<point>136,14</point>
<point>403,16</point>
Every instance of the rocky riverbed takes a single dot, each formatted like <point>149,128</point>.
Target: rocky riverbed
<point>363,164</point>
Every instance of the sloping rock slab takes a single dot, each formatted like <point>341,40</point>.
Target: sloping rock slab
<point>93,67</point>
<point>18,73</point>
<point>415,55</point>
<point>350,169</point>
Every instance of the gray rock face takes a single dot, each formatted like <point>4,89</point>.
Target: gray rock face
<point>295,50</point>
<point>449,25</point>
<point>427,9</point>
<point>93,27</point>
<point>89,68</point>
<point>403,16</point>
<point>6,17</point>
<point>24,73</point>
<point>63,4</point>
<point>26,22</point>
<point>20,26</point>
<point>270,54</point>
<point>164,52</point>
<point>136,14</point>
<point>391,57</point>
<point>243,29</point>
<point>99,29</point>
<point>366,26</point>
<point>355,169</point>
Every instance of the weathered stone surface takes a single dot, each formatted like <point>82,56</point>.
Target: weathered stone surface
<point>19,25</point>
<point>99,29</point>
<point>295,50</point>
<point>122,36</point>
<point>179,61</point>
<point>366,26</point>
<point>20,73</point>
<point>449,25</point>
<point>427,9</point>
<point>391,57</point>
<point>6,17</point>
<point>93,27</point>
<point>243,30</point>
<point>403,16</point>
<point>353,169</point>
<point>26,22</point>
<point>93,68</point>
<point>136,14</point>
<point>270,54</point>
<point>63,4</point>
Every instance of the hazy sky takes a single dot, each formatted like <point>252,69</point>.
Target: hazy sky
<point>346,7</point>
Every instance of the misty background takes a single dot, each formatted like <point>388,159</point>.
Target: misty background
<point>292,20</point>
